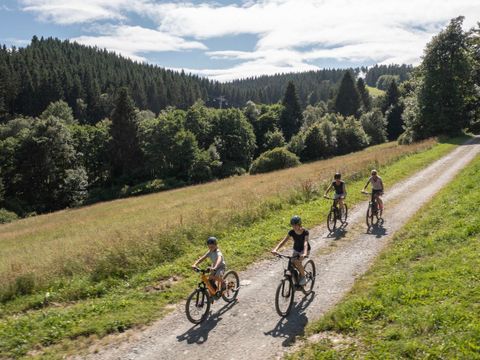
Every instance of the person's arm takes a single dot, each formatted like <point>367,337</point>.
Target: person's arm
<point>195,264</point>
<point>381,182</point>
<point>305,246</point>
<point>368,182</point>
<point>328,189</point>
<point>344,189</point>
<point>280,244</point>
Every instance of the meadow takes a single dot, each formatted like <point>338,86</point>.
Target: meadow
<point>109,267</point>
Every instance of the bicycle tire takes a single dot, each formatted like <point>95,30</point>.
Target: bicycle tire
<point>236,285</point>
<point>331,221</point>
<point>310,274</point>
<point>286,291</point>
<point>202,301</point>
<point>343,218</point>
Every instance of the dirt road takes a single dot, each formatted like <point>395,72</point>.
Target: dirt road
<point>250,328</point>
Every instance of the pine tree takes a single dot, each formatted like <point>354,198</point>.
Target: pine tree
<point>364,95</point>
<point>347,101</point>
<point>291,117</point>
<point>126,155</point>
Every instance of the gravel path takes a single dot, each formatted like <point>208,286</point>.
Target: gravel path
<point>251,327</point>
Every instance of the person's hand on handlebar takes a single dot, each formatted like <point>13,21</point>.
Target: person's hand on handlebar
<point>274,252</point>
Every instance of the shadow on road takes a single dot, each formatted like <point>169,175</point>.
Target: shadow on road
<point>294,324</point>
<point>377,230</point>
<point>339,232</point>
<point>198,334</point>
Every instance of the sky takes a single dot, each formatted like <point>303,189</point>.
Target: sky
<point>226,39</point>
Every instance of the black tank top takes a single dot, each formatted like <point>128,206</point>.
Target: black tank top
<point>339,187</point>
<point>299,240</point>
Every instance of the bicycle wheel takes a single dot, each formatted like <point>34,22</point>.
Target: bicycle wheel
<point>331,221</point>
<point>372,217</point>
<point>197,306</point>
<point>284,297</point>
<point>233,285</point>
<point>343,217</point>
<point>310,273</point>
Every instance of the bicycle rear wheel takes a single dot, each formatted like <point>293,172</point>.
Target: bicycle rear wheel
<point>233,286</point>
<point>284,297</point>
<point>310,273</point>
<point>372,217</point>
<point>344,215</point>
<point>331,221</point>
<point>197,306</point>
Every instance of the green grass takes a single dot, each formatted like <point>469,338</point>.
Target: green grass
<point>374,91</point>
<point>52,325</point>
<point>421,299</point>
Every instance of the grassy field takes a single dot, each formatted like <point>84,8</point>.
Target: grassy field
<point>421,299</point>
<point>108,267</point>
<point>374,91</point>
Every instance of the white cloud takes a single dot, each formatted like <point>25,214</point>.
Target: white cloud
<point>131,40</point>
<point>291,33</point>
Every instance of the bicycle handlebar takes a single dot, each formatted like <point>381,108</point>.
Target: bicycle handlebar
<point>288,257</point>
<point>203,271</point>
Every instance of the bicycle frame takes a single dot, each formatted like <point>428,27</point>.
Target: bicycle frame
<point>205,283</point>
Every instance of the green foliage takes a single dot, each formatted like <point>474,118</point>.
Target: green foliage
<point>273,139</point>
<point>291,117</point>
<point>375,126</point>
<point>7,216</point>
<point>126,155</point>
<point>347,101</point>
<point>401,72</point>
<point>319,141</point>
<point>234,140</point>
<point>44,171</point>
<point>364,96</point>
<point>445,90</point>
<point>350,135</point>
<point>276,159</point>
<point>60,110</point>
<point>384,81</point>
<point>198,120</point>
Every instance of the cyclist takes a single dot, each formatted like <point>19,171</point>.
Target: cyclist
<point>340,190</point>
<point>377,189</point>
<point>301,247</point>
<point>218,263</point>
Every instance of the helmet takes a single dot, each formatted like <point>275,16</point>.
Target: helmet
<point>374,172</point>
<point>337,176</point>
<point>296,220</point>
<point>212,240</point>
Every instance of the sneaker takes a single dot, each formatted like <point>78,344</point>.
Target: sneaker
<point>303,281</point>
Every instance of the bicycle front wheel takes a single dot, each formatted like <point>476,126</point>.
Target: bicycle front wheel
<point>233,285</point>
<point>331,221</point>
<point>372,217</point>
<point>310,273</point>
<point>197,306</point>
<point>284,297</point>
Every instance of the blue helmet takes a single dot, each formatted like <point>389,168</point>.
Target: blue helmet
<point>296,220</point>
<point>212,240</point>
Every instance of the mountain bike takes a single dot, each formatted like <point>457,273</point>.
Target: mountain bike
<point>372,217</point>
<point>336,214</point>
<point>290,283</point>
<point>199,301</point>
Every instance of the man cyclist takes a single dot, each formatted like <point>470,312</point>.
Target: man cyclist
<point>301,247</point>
<point>340,191</point>
<point>377,189</point>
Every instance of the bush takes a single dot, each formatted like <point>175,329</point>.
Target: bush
<point>7,216</point>
<point>276,159</point>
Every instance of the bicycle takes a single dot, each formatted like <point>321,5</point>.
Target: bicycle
<point>336,214</point>
<point>199,301</point>
<point>372,217</point>
<point>289,284</point>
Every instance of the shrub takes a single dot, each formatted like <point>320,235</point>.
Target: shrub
<point>278,158</point>
<point>7,216</point>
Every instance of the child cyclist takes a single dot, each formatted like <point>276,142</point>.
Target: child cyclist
<point>218,262</point>
<point>301,247</point>
<point>377,189</point>
<point>340,190</point>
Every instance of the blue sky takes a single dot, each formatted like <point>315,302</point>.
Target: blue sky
<point>225,40</point>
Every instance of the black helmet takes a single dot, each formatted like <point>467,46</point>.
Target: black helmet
<point>212,240</point>
<point>337,176</point>
<point>296,220</point>
<point>374,172</point>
